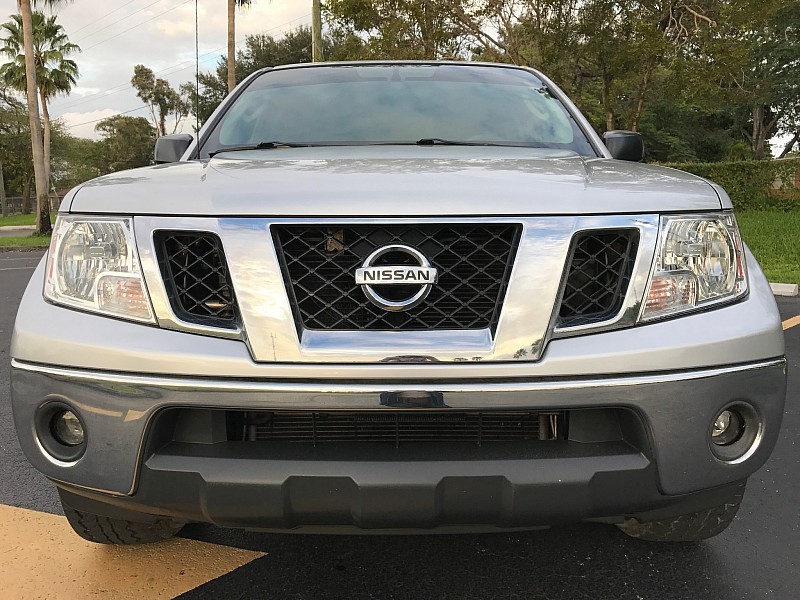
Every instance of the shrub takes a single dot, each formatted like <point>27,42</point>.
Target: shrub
<point>764,184</point>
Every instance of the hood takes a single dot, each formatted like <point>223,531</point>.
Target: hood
<point>387,181</point>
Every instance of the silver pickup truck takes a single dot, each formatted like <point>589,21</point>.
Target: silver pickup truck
<point>398,296</point>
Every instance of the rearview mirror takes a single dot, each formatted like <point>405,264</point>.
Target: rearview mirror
<point>170,148</point>
<point>624,145</point>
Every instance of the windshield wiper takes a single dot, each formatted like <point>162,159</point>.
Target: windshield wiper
<point>259,146</point>
<point>443,142</point>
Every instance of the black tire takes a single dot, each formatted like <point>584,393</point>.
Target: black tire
<point>691,527</point>
<point>108,530</point>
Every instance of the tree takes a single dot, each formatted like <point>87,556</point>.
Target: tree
<point>400,29</point>
<point>43,226</point>
<point>55,73</point>
<point>232,6</point>
<point>127,142</point>
<point>259,51</point>
<point>15,148</point>
<point>75,160</point>
<point>160,98</point>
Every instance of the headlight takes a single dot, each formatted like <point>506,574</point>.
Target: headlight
<point>699,262</point>
<point>93,265</point>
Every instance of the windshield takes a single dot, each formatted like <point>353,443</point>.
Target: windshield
<point>398,104</point>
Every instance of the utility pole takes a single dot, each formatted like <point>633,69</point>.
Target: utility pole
<point>316,30</point>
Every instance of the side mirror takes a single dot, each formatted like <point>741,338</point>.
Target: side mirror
<point>170,148</point>
<point>624,145</point>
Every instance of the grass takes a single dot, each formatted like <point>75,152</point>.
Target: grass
<point>26,240</point>
<point>18,220</point>
<point>774,238</point>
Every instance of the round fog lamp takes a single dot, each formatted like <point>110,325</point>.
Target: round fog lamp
<point>67,428</point>
<point>728,427</point>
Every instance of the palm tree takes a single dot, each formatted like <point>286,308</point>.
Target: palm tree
<point>37,146</point>
<point>232,5</point>
<point>55,73</point>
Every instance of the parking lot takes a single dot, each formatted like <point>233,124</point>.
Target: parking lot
<point>757,557</point>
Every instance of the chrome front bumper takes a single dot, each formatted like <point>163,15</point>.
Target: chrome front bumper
<point>676,409</point>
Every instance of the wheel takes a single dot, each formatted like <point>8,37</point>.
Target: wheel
<point>691,527</point>
<point>108,530</point>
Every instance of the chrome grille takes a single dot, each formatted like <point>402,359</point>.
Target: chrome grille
<point>196,277</point>
<point>474,263</point>
<point>400,427</point>
<point>600,268</point>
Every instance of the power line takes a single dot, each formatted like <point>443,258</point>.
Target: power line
<point>104,118</point>
<point>211,53</point>
<point>135,26</point>
<point>104,28</point>
<point>98,19</point>
<point>122,87</point>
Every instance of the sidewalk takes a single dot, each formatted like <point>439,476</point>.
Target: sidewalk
<point>15,230</point>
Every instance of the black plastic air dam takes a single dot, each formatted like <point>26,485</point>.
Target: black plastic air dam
<point>378,497</point>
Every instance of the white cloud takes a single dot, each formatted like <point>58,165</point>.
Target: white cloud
<point>158,34</point>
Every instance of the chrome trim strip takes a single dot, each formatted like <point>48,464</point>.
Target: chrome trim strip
<point>454,344</point>
<point>628,315</point>
<point>162,307</point>
<point>313,389</point>
<point>525,325</point>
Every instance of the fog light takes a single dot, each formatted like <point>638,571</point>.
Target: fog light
<point>67,428</point>
<point>735,432</point>
<point>728,427</point>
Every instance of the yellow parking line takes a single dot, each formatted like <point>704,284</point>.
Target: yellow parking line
<point>791,322</point>
<point>41,557</point>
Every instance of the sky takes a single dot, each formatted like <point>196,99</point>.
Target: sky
<point>116,35</point>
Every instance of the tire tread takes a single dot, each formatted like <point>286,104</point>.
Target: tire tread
<point>108,530</point>
<point>691,527</point>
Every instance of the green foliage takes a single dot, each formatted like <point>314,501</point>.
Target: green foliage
<point>399,29</point>
<point>162,100</point>
<point>772,236</point>
<point>30,241</point>
<point>127,143</point>
<point>74,160</point>
<point>698,79</point>
<point>17,220</point>
<point>754,185</point>
<point>15,144</point>
<point>261,51</point>
<point>55,73</point>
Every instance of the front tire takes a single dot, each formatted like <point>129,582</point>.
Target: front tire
<point>690,527</point>
<point>108,530</point>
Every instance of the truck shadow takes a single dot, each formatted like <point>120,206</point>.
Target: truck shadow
<point>581,561</point>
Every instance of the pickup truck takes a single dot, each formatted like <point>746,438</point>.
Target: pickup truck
<point>398,296</point>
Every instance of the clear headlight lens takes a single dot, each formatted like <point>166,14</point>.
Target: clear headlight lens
<point>93,265</point>
<point>699,262</point>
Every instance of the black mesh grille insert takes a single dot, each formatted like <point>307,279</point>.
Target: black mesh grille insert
<point>474,263</point>
<point>398,427</point>
<point>196,277</point>
<point>599,274</point>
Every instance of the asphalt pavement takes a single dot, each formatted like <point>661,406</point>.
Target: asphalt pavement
<point>756,557</point>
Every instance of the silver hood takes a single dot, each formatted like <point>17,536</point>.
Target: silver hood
<point>385,181</point>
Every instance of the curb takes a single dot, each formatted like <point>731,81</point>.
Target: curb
<point>18,228</point>
<point>22,248</point>
<point>785,289</point>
